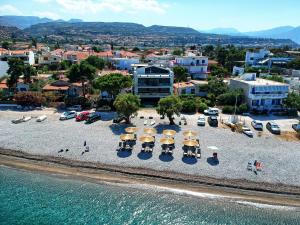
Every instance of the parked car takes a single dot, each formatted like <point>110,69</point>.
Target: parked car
<point>201,120</point>
<point>257,125</point>
<point>82,116</point>
<point>296,127</point>
<point>76,108</point>
<point>247,131</point>
<point>93,117</point>
<point>212,111</point>
<point>273,127</point>
<point>68,115</point>
<point>118,119</point>
<point>212,121</point>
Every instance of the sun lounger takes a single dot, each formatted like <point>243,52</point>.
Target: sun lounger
<point>152,122</point>
<point>145,122</point>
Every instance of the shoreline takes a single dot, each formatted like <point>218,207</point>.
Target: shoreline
<point>264,193</point>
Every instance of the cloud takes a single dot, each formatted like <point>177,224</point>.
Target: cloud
<point>49,15</point>
<point>9,10</point>
<point>43,1</point>
<point>127,6</point>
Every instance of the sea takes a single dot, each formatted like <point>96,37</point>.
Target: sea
<point>34,198</point>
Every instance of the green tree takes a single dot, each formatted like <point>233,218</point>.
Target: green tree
<point>135,49</point>
<point>216,86</point>
<point>6,45</point>
<point>178,52</point>
<point>81,73</point>
<point>56,46</point>
<point>180,74</point>
<point>28,72</point>
<point>231,97</point>
<point>295,64</point>
<point>218,71</point>
<point>34,42</point>
<point>274,78</point>
<point>95,61</point>
<point>16,69</point>
<point>292,101</point>
<point>169,106</point>
<point>127,105</point>
<point>113,83</point>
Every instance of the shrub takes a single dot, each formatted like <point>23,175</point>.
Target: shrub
<point>202,106</point>
<point>188,106</point>
<point>28,98</point>
<point>242,108</point>
<point>228,109</point>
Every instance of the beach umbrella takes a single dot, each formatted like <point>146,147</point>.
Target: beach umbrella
<point>127,137</point>
<point>190,143</point>
<point>146,139</point>
<point>150,130</point>
<point>169,132</point>
<point>167,141</point>
<point>131,130</point>
<point>214,148</point>
<point>190,133</point>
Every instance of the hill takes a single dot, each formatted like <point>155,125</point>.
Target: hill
<point>224,31</point>
<point>10,32</point>
<point>22,22</point>
<point>136,34</point>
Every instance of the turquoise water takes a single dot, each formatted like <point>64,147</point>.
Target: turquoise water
<point>32,198</point>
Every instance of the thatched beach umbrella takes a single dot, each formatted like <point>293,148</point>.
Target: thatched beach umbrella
<point>147,139</point>
<point>127,137</point>
<point>150,130</point>
<point>131,130</point>
<point>190,133</point>
<point>167,141</point>
<point>190,143</point>
<point>169,132</point>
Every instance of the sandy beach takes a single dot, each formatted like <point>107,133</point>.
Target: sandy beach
<point>34,146</point>
<point>237,190</point>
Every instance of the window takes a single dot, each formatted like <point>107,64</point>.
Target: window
<point>183,91</point>
<point>255,102</point>
<point>193,91</point>
<point>203,61</point>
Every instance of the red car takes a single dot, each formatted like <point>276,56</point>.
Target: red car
<point>82,116</point>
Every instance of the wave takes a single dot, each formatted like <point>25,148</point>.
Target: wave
<point>268,206</point>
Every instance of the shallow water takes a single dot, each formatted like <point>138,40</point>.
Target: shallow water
<point>32,198</point>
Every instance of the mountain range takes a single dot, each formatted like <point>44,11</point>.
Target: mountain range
<point>135,34</point>
<point>284,32</point>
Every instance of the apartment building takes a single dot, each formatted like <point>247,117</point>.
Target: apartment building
<point>152,81</point>
<point>261,94</point>
<point>195,65</point>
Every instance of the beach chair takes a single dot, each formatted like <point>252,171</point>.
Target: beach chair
<point>198,155</point>
<point>152,122</point>
<point>258,166</point>
<point>145,122</point>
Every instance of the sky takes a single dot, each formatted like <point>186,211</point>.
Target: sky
<point>243,15</point>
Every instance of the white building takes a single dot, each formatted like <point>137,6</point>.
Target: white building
<point>253,58</point>
<point>26,56</point>
<point>48,59</point>
<point>191,87</point>
<point>124,63</point>
<point>3,68</point>
<point>261,94</point>
<point>195,65</point>
<point>236,71</point>
<point>152,81</point>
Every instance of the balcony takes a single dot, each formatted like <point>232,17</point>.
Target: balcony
<point>266,96</point>
<point>153,95</point>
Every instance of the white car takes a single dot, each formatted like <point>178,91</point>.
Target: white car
<point>201,120</point>
<point>41,118</point>
<point>247,131</point>
<point>212,111</point>
<point>257,125</point>
<point>68,115</point>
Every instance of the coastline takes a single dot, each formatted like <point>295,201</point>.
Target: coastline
<point>264,193</point>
